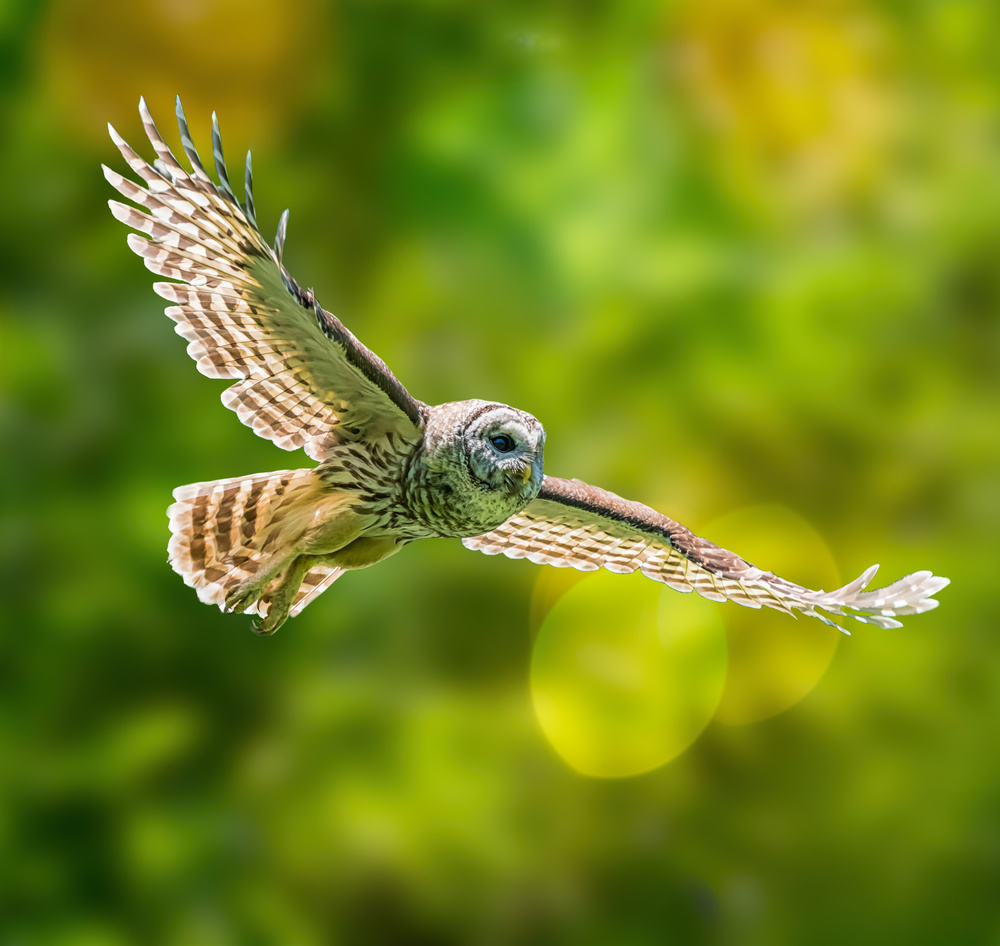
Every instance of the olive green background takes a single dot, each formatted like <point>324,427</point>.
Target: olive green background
<point>730,253</point>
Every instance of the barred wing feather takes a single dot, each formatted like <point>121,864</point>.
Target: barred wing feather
<point>303,379</point>
<point>572,524</point>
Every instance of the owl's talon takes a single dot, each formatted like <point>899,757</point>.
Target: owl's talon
<point>278,600</point>
<point>261,629</point>
<point>249,591</point>
<point>242,597</point>
<point>270,624</point>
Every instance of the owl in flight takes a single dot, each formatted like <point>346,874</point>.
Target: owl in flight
<point>391,468</point>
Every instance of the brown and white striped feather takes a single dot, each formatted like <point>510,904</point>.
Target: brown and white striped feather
<point>303,379</point>
<point>574,525</point>
<point>222,531</point>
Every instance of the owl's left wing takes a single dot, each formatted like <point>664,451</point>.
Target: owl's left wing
<point>303,379</point>
<point>574,525</point>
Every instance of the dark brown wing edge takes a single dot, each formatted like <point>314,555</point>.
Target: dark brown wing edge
<point>358,355</point>
<point>581,526</point>
<point>599,502</point>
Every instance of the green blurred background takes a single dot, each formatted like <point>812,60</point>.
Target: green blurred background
<point>741,258</point>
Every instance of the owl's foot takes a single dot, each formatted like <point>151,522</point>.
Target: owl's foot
<point>263,628</point>
<point>279,601</point>
<point>243,595</point>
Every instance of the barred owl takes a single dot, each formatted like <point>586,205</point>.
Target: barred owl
<point>391,469</point>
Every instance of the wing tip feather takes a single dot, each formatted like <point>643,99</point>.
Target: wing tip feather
<point>122,212</point>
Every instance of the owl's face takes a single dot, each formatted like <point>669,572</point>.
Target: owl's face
<point>504,448</point>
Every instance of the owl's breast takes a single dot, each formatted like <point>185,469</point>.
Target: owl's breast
<point>445,500</point>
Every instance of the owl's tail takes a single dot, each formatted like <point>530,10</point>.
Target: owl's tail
<point>222,531</point>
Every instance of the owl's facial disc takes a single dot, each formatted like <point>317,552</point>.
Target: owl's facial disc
<point>505,448</point>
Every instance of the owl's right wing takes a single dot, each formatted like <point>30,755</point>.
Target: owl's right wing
<point>304,379</point>
<point>574,525</point>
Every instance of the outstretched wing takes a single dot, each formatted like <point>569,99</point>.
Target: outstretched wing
<point>574,525</point>
<point>305,380</point>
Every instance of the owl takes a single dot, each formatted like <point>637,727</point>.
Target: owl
<point>391,469</point>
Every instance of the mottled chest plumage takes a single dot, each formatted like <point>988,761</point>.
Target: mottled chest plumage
<point>445,500</point>
<point>375,473</point>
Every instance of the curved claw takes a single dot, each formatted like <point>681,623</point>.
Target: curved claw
<point>241,598</point>
<point>273,620</point>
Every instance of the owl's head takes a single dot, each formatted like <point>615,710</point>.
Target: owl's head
<point>504,449</point>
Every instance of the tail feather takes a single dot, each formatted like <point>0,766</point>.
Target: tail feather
<point>223,530</point>
<point>317,580</point>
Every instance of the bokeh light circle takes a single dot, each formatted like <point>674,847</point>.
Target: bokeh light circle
<point>626,674</point>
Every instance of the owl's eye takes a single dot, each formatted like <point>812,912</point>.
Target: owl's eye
<point>503,443</point>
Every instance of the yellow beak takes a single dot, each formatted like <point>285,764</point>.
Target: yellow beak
<point>526,475</point>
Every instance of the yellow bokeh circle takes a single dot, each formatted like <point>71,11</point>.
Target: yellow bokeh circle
<point>626,674</point>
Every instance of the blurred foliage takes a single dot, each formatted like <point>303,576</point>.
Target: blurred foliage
<point>732,253</point>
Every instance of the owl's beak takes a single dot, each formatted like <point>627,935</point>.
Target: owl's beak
<point>526,474</point>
